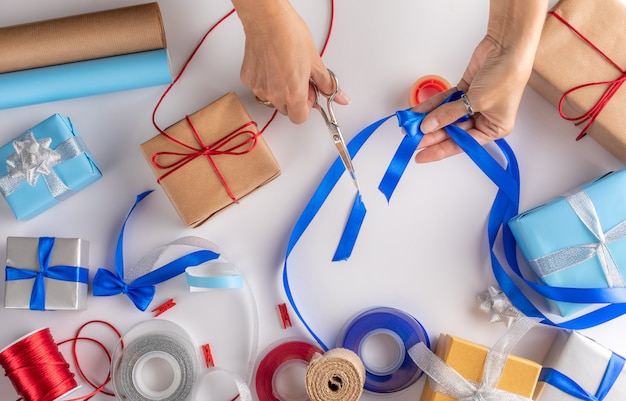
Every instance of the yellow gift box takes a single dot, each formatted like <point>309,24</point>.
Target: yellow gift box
<point>581,54</point>
<point>468,359</point>
<point>210,160</point>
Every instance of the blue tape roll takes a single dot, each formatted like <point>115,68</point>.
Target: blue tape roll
<point>401,327</point>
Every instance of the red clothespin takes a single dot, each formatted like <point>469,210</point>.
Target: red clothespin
<point>208,356</point>
<point>284,315</point>
<point>167,305</point>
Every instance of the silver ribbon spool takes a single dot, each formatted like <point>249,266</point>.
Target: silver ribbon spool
<point>158,362</point>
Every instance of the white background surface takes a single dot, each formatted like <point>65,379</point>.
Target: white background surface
<point>425,253</point>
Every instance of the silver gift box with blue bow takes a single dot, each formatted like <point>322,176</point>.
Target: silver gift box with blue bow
<point>46,273</point>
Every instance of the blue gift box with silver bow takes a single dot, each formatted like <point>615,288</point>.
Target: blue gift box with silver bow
<point>577,240</point>
<point>43,166</point>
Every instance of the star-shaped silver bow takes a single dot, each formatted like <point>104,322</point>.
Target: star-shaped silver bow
<point>500,309</point>
<point>32,158</point>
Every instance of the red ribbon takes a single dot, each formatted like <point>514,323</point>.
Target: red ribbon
<point>221,147</point>
<point>613,86</point>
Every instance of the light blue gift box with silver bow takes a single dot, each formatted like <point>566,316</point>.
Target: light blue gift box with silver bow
<point>577,240</point>
<point>43,166</point>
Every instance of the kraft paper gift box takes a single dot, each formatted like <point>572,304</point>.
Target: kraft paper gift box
<point>228,160</point>
<point>519,375</point>
<point>563,251</point>
<point>584,362</point>
<point>43,166</point>
<point>46,273</point>
<point>564,60</point>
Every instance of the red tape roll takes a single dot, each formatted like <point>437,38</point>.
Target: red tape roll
<point>426,87</point>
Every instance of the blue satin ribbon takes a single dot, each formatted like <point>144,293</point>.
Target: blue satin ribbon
<point>141,290</point>
<point>566,384</point>
<point>60,272</point>
<point>410,122</point>
<point>504,207</point>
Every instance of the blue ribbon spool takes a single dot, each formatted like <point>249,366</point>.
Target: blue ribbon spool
<point>404,329</point>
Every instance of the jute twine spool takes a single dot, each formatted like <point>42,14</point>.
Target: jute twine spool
<point>338,374</point>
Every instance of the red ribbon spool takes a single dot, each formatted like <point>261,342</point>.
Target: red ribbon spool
<point>276,359</point>
<point>37,369</point>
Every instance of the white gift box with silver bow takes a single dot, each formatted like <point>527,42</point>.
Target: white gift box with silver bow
<point>577,240</point>
<point>43,166</point>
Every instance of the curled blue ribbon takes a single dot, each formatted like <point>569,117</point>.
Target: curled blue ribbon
<point>61,272</point>
<point>141,290</point>
<point>564,383</point>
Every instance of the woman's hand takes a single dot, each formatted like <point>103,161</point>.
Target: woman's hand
<point>493,81</point>
<point>280,58</point>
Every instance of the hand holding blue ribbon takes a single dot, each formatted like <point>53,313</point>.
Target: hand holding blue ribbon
<point>141,290</point>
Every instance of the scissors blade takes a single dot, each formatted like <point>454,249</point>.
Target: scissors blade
<point>340,144</point>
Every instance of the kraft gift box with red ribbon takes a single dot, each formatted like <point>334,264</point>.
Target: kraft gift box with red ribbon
<point>210,159</point>
<point>578,368</point>
<point>46,273</point>
<point>577,240</point>
<point>580,67</point>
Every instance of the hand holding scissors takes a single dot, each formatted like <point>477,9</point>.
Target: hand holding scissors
<point>333,127</point>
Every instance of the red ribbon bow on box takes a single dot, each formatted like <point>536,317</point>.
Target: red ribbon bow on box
<point>220,147</point>
<point>613,85</point>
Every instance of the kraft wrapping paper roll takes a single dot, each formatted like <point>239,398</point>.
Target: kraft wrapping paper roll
<point>84,78</point>
<point>82,37</point>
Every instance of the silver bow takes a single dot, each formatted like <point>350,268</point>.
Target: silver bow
<point>568,257</point>
<point>498,306</point>
<point>447,381</point>
<point>33,158</point>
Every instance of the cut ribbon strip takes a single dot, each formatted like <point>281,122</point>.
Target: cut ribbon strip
<point>64,273</point>
<point>613,85</point>
<point>567,385</point>
<point>142,289</point>
<point>213,275</point>
<point>220,147</point>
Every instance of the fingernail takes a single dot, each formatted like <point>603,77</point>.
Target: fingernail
<point>429,125</point>
<point>344,97</point>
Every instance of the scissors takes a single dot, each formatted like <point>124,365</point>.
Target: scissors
<point>333,127</point>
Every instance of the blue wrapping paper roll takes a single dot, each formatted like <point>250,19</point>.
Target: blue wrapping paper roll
<point>554,239</point>
<point>84,78</point>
